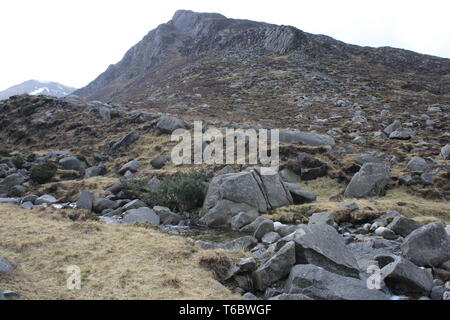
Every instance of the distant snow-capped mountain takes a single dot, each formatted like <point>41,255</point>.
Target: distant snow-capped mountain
<point>35,88</point>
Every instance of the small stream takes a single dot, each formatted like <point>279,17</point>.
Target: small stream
<point>203,233</point>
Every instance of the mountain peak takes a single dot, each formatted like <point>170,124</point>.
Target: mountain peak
<point>35,87</point>
<point>210,46</point>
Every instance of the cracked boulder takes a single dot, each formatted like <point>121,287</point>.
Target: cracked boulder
<point>403,277</point>
<point>370,181</point>
<point>320,284</point>
<point>427,246</point>
<point>235,193</point>
<point>321,245</point>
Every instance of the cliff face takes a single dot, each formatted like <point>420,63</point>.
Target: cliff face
<point>195,50</point>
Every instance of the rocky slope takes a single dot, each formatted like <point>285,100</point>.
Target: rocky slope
<point>248,70</point>
<point>362,196</point>
<point>338,214</point>
<point>34,87</point>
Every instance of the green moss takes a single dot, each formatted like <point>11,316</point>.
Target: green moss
<point>29,109</point>
<point>43,173</point>
<point>18,161</point>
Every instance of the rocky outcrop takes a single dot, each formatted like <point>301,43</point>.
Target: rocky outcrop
<point>370,181</point>
<point>427,246</point>
<point>168,124</point>
<point>321,245</point>
<point>231,194</point>
<point>402,277</point>
<point>276,268</point>
<point>320,284</point>
<point>308,138</point>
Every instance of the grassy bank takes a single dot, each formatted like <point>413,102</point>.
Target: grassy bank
<point>116,262</point>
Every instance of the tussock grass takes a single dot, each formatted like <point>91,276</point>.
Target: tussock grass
<point>116,261</point>
<point>69,190</point>
<point>400,199</point>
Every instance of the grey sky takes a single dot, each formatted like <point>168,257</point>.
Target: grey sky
<point>73,41</point>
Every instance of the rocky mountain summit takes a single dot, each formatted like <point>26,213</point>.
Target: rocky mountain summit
<point>207,63</point>
<point>34,87</point>
<point>359,208</point>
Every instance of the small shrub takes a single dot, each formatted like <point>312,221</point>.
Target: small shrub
<point>183,191</point>
<point>18,161</point>
<point>43,173</point>
<point>29,109</point>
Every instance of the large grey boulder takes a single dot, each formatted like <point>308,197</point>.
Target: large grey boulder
<point>101,204</point>
<point>288,136</point>
<point>6,269</point>
<point>276,268</point>
<point>402,134</point>
<point>7,184</point>
<point>322,218</point>
<point>95,171</point>
<point>72,163</point>
<point>417,164</point>
<point>367,158</point>
<point>168,124</point>
<point>46,199</point>
<point>445,152</point>
<point>403,226</point>
<point>125,141</point>
<point>86,200</point>
<point>231,194</point>
<point>141,215</point>
<point>244,218</point>
<point>160,161</point>
<point>392,127</point>
<point>320,284</point>
<point>263,228</point>
<point>105,113</point>
<point>252,227</point>
<point>427,246</point>
<point>239,187</point>
<point>274,189</point>
<point>370,181</point>
<point>289,176</point>
<point>132,166</point>
<point>300,196</point>
<point>229,213</point>
<point>403,277</point>
<point>321,245</point>
<point>166,216</point>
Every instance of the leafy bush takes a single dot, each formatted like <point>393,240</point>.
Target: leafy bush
<point>18,161</point>
<point>183,191</point>
<point>43,173</point>
<point>29,109</point>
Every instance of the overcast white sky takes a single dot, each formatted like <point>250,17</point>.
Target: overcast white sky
<point>73,41</point>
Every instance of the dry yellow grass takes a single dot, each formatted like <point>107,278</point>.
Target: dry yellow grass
<point>70,190</point>
<point>399,199</point>
<point>117,262</point>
